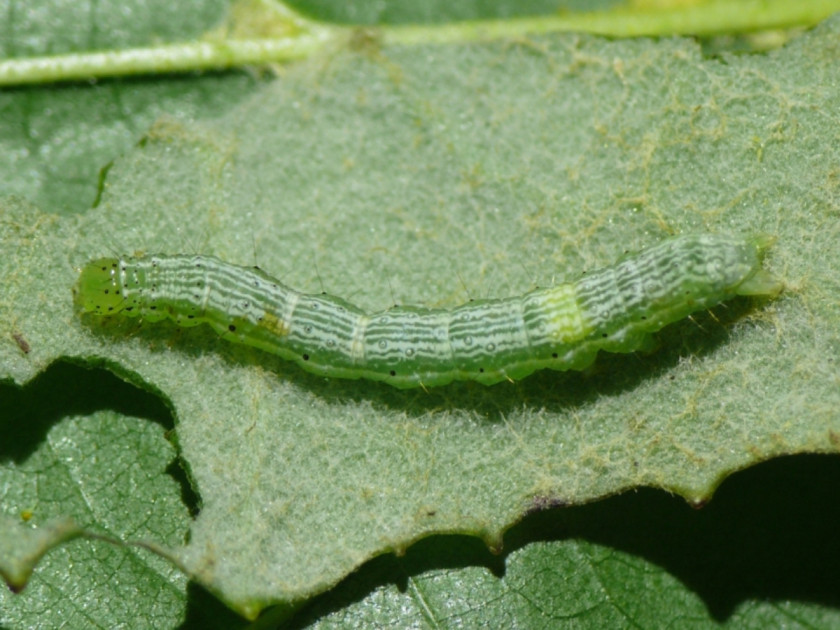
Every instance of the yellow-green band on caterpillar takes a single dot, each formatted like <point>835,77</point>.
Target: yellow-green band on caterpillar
<point>562,328</point>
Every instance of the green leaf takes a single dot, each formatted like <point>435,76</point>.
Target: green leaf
<point>105,466</point>
<point>21,548</point>
<point>430,175</point>
<point>56,144</point>
<point>763,553</point>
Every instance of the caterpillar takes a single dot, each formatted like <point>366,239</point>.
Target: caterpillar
<point>614,309</point>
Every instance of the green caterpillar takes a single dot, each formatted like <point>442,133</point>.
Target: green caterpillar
<point>562,328</point>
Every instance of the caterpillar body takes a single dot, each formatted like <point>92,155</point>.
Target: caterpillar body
<point>614,309</point>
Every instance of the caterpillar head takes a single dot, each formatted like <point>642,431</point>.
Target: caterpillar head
<point>98,288</point>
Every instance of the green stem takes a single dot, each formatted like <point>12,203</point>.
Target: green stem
<point>188,57</point>
<point>704,19</point>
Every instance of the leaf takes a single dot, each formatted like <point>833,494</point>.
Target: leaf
<point>431,175</point>
<point>22,547</point>
<point>56,144</point>
<point>763,552</point>
<point>108,469</point>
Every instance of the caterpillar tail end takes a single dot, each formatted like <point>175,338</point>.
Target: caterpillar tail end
<point>762,282</point>
<point>763,242</point>
<point>97,290</point>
